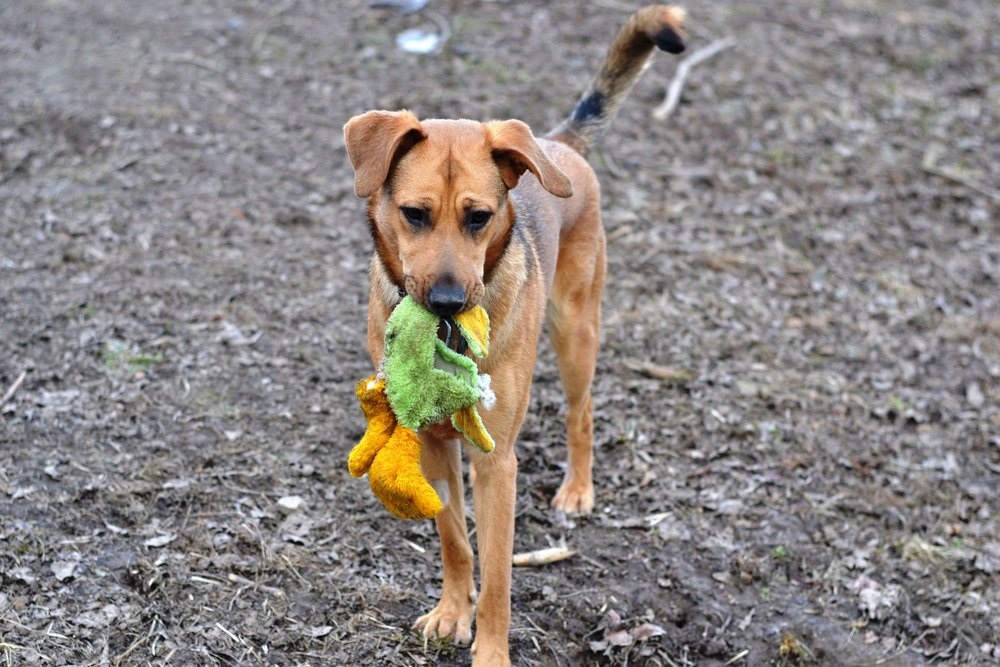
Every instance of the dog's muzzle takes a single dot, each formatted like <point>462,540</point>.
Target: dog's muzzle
<point>446,300</point>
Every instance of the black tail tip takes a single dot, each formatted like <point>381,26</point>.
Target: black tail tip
<point>590,107</point>
<point>669,40</point>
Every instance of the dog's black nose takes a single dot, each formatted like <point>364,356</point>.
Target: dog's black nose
<point>446,300</point>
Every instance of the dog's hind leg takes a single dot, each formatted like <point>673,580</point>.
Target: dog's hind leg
<point>574,317</point>
<point>452,617</point>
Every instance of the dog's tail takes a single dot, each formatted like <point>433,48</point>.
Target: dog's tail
<point>653,26</point>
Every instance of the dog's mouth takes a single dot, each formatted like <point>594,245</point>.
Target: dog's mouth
<point>421,291</point>
<point>448,334</point>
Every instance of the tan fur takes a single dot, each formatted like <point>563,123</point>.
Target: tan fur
<point>541,255</point>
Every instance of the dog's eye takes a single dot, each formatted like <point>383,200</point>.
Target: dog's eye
<point>476,220</point>
<point>417,217</point>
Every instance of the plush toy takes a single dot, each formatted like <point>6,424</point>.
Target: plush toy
<point>422,381</point>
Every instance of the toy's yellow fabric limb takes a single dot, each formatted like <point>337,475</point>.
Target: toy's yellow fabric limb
<point>396,478</point>
<point>475,326</point>
<point>381,424</point>
<point>390,454</point>
<point>470,425</point>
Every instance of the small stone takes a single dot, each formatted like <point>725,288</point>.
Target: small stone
<point>974,395</point>
<point>418,41</point>
<point>290,504</point>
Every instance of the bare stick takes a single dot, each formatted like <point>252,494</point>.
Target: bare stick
<point>665,373</point>
<point>611,4</point>
<point>929,165</point>
<point>739,656</point>
<point>136,644</point>
<point>663,111</point>
<point>13,388</point>
<point>954,176</point>
<point>542,557</point>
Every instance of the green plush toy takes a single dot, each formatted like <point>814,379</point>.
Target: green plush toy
<point>427,381</point>
<point>422,381</point>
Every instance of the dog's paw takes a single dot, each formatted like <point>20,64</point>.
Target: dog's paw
<point>574,498</point>
<point>498,657</point>
<point>448,620</point>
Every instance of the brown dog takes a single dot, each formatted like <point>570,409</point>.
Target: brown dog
<point>458,220</point>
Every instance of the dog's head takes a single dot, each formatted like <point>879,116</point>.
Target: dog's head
<point>437,198</point>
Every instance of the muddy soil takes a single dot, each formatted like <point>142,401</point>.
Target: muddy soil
<point>797,421</point>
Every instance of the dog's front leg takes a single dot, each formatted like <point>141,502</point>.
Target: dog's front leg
<point>494,493</point>
<point>452,617</point>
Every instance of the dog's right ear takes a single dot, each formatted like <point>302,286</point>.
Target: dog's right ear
<point>374,141</point>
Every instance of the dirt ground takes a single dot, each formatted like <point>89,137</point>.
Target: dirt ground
<point>797,420</point>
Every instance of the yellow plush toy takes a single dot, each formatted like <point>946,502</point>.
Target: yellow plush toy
<point>390,454</point>
<point>421,382</point>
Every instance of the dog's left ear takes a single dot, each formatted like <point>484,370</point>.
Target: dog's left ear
<point>374,141</point>
<point>516,151</point>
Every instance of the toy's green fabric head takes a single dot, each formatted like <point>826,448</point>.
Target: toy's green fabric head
<point>425,380</point>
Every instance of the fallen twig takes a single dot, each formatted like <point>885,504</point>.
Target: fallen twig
<point>665,373</point>
<point>929,165</point>
<point>234,637</point>
<point>120,660</point>
<point>542,556</point>
<point>956,177</point>
<point>13,388</point>
<point>739,656</point>
<point>193,61</point>
<point>611,4</point>
<point>673,96</point>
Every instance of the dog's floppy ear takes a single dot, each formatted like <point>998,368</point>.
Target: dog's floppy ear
<point>515,151</point>
<point>376,139</point>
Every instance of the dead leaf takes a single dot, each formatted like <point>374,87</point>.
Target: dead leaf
<point>295,528</point>
<point>316,631</point>
<point>64,569</point>
<point>58,401</point>
<point>117,530</point>
<point>160,540</point>
<point>620,638</point>
<point>723,577</point>
<point>647,631</point>
<point>878,602</point>
<point>19,492</point>
<point>22,574</point>
<point>98,618</point>
<point>611,620</point>
<point>231,335</point>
